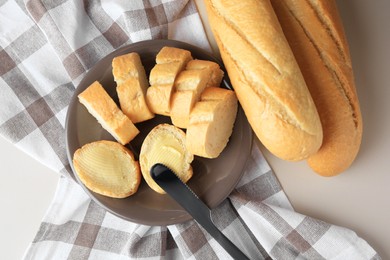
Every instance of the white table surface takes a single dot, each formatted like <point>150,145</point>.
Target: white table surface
<point>358,199</point>
<point>26,190</point>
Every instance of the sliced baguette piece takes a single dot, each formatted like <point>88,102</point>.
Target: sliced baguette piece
<point>129,65</point>
<point>165,144</point>
<point>266,77</point>
<point>166,73</point>
<point>162,78</point>
<point>216,74</point>
<point>170,62</point>
<point>189,85</point>
<point>107,168</point>
<point>157,99</point>
<point>315,33</point>
<point>132,100</point>
<point>130,76</point>
<point>100,105</point>
<point>171,54</point>
<point>211,122</point>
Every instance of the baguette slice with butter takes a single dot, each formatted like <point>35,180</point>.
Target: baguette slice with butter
<point>211,122</point>
<point>107,168</point>
<point>100,105</point>
<point>315,33</point>
<point>165,144</point>
<point>132,84</point>
<point>266,77</point>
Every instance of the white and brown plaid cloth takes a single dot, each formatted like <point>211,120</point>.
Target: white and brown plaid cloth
<point>46,47</point>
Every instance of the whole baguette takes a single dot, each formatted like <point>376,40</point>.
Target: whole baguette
<point>266,77</point>
<point>314,31</point>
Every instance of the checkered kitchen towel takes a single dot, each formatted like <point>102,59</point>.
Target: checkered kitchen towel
<point>46,47</point>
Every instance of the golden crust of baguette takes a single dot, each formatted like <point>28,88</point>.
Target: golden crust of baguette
<point>171,54</point>
<point>316,36</point>
<point>266,77</point>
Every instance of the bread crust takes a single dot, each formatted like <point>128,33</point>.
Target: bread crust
<point>171,54</point>
<point>266,77</point>
<point>315,33</point>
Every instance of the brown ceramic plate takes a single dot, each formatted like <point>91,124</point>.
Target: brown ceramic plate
<point>213,179</point>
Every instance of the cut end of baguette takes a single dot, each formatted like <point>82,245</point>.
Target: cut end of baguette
<point>165,144</point>
<point>107,168</point>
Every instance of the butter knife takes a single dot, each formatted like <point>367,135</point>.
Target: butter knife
<point>182,194</point>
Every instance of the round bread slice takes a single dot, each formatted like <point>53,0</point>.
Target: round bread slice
<point>107,168</point>
<point>165,144</point>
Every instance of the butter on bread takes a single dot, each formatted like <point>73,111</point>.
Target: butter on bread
<point>132,84</point>
<point>100,105</point>
<point>107,168</point>
<point>211,122</point>
<point>266,77</point>
<point>170,62</point>
<point>165,144</point>
<point>315,32</point>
